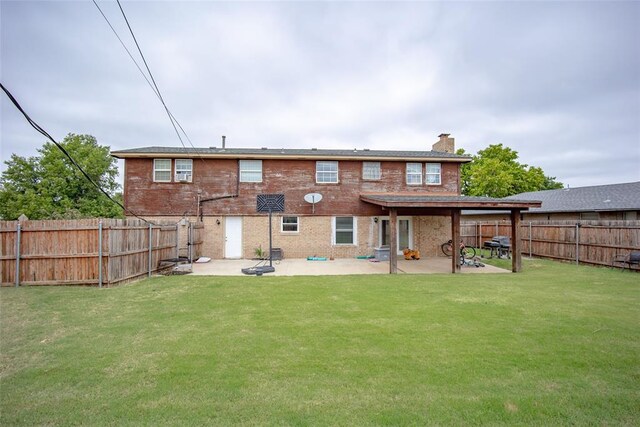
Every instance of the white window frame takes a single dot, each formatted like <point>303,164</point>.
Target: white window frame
<point>327,173</point>
<point>371,171</point>
<point>184,168</point>
<point>353,230</point>
<point>436,175</point>
<point>156,169</point>
<point>297,224</point>
<point>251,168</point>
<point>416,176</point>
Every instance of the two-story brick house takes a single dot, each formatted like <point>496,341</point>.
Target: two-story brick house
<point>363,193</point>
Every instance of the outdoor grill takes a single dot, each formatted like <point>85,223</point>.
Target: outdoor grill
<point>500,246</point>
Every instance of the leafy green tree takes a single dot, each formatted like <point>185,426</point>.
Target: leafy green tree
<point>496,172</point>
<point>49,186</point>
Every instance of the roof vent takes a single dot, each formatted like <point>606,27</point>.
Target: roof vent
<point>366,149</point>
<point>314,149</point>
<point>213,148</point>
<point>264,148</point>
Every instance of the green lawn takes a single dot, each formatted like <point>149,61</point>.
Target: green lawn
<point>555,345</point>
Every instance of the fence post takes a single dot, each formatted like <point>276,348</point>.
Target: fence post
<point>577,243</point>
<point>150,246</point>
<point>100,254</point>
<point>497,229</point>
<point>177,241</point>
<point>530,242</point>
<point>18,232</point>
<point>190,243</point>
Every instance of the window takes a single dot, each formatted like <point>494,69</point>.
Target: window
<point>162,170</point>
<point>326,172</point>
<point>344,230</point>
<point>371,170</point>
<point>432,175</point>
<point>250,170</point>
<point>290,224</point>
<point>414,173</point>
<point>184,170</point>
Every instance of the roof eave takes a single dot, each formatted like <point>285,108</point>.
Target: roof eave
<point>467,204</point>
<point>284,156</point>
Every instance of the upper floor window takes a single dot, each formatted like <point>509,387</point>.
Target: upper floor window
<point>344,230</point>
<point>162,170</point>
<point>250,170</point>
<point>432,176</point>
<point>184,170</point>
<point>371,170</point>
<point>414,173</point>
<point>326,172</point>
<point>290,224</point>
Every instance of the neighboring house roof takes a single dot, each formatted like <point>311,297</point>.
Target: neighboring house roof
<point>613,197</point>
<point>430,201</point>
<point>288,153</point>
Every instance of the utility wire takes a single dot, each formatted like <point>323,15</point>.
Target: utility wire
<point>153,86</point>
<point>66,153</point>
<point>150,74</point>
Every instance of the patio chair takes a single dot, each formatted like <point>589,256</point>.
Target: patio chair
<point>627,261</point>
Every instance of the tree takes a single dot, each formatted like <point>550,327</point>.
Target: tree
<point>496,172</point>
<point>49,186</point>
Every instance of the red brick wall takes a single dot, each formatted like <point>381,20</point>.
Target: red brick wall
<point>293,178</point>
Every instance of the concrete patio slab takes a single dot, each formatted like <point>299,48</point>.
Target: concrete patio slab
<point>302,267</point>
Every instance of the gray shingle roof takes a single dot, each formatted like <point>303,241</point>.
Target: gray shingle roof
<point>430,200</point>
<point>286,152</point>
<point>613,197</point>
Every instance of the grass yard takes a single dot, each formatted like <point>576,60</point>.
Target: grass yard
<point>555,345</point>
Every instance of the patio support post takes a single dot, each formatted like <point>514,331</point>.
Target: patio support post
<point>393,241</point>
<point>516,256</point>
<point>455,240</point>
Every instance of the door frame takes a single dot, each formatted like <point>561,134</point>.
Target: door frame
<point>227,223</point>
<point>410,231</point>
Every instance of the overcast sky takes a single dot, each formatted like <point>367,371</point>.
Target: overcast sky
<point>559,82</point>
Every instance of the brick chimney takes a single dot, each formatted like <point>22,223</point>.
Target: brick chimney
<point>445,144</point>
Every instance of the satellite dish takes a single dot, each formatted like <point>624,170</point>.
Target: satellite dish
<point>313,198</point>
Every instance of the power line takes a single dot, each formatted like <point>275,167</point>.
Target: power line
<point>64,151</point>
<point>153,86</point>
<point>149,71</point>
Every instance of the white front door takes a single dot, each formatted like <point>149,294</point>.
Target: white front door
<point>233,237</point>
<point>404,230</point>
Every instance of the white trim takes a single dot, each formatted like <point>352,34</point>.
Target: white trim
<point>184,174</point>
<point>282,230</point>
<point>355,231</point>
<point>155,169</point>
<point>406,173</point>
<point>427,174</point>
<point>400,218</point>
<point>337,171</point>
<point>249,171</point>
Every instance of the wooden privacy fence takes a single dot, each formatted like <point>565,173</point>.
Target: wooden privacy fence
<point>589,242</point>
<point>99,252</point>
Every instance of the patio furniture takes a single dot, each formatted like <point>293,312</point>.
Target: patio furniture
<point>500,246</point>
<point>627,261</point>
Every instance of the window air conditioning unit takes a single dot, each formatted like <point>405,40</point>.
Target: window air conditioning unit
<point>184,178</point>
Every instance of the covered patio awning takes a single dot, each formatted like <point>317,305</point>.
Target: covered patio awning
<point>428,205</point>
